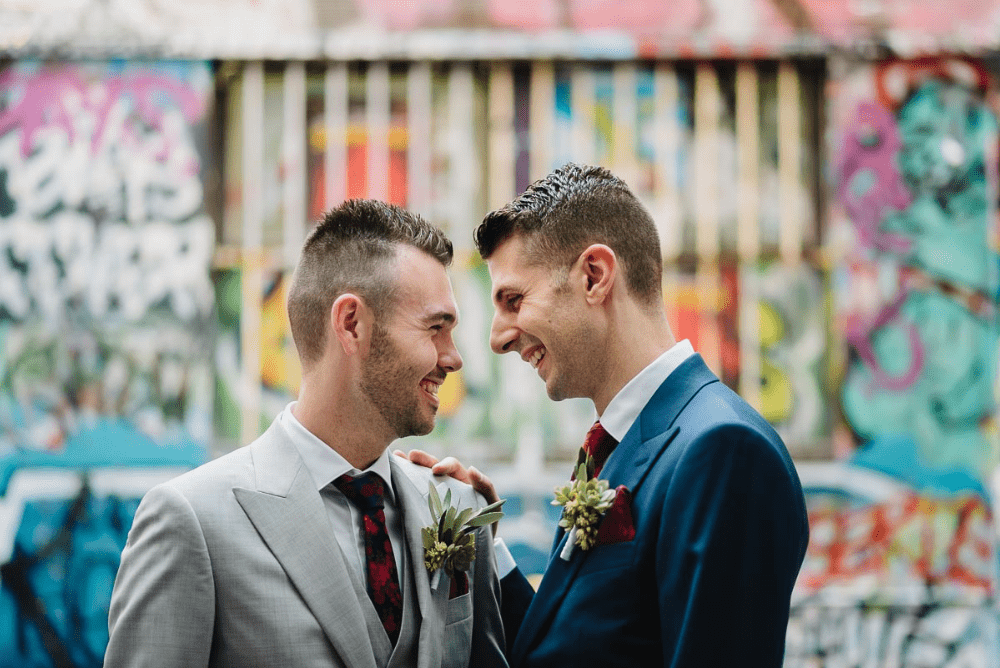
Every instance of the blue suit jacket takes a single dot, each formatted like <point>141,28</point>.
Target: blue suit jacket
<point>721,532</point>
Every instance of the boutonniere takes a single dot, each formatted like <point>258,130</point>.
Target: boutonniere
<point>584,501</point>
<point>449,542</point>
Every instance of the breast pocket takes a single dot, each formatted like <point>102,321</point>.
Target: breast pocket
<point>457,632</point>
<point>459,609</point>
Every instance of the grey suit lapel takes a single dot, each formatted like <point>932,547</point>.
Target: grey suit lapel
<point>432,591</point>
<point>288,513</point>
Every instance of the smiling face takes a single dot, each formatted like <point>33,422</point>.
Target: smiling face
<point>540,314</point>
<point>412,350</point>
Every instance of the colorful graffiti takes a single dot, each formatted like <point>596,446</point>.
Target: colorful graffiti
<point>908,279</point>
<point>105,320</point>
<point>918,295</point>
<point>927,545</point>
<point>726,24</point>
<point>793,340</point>
<point>902,563</point>
<point>897,636</point>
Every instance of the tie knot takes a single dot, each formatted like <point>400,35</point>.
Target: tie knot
<point>599,444</point>
<point>367,491</point>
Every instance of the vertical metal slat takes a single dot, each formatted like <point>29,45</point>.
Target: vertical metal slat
<point>542,121</point>
<point>790,164</point>
<point>623,158</point>
<point>253,251</point>
<point>335,101</point>
<point>666,92</point>
<point>377,118</point>
<point>463,156</point>
<point>748,228</point>
<point>501,138</point>
<point>582,96</point>
<point>418,145</point>
<point>708,102</point>
<point>293,155</point>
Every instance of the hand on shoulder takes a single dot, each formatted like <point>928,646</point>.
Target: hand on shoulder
<point>451,467</point>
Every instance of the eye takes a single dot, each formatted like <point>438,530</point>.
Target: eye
<point>512,302</point>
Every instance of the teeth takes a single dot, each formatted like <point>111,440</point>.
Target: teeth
<point>429,387</point>
<point>536,358</point>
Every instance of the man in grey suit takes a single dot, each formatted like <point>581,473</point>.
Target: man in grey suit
<point>304,548</point>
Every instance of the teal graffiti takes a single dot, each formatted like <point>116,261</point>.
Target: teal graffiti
<point>919,387</point>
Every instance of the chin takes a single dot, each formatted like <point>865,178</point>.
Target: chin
<point>555,390</point>
<point>419,429</point>
<point>555,393</point>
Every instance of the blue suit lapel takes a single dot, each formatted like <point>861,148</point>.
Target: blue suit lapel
<point>628,465</point>
<point>654,428</point>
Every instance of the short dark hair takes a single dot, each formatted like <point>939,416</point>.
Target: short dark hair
<point>575,206</point>
<point>351,250</point>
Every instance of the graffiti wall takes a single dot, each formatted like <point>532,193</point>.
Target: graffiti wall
<point>870,344</point>
<point>106,326</point>
<point>902,562</point>
<point>424,135</point>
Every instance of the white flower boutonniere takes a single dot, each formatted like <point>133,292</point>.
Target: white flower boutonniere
<point>449,542</point>
<point>584,501</point>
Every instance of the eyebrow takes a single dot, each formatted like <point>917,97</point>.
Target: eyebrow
<point>441,316</point>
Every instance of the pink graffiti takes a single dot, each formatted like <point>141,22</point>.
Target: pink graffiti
<point>41,104</point>
<point>861,327</point>
<point>870,185</point>
<point>860,336</point>
<point>640,16</point>
<point>47,97</point>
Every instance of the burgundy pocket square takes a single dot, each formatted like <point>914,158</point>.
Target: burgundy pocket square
<point>617,526</point>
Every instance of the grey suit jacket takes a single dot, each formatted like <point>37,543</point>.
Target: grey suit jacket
<point>234,564</point>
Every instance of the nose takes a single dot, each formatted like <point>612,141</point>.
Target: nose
<point>449,358</point>
<point>503,333</point>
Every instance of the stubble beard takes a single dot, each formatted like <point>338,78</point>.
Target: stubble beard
<point>576,363</point>
<point>384,382</point>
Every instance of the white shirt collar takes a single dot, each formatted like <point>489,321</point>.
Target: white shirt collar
<point>323,462</point>
<point>631,399</point>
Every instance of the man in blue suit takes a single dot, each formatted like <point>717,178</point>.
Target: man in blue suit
<point>693,564</point>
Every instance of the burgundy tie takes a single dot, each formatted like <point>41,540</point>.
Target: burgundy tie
<point>367,492</point>
<point>599,444</point>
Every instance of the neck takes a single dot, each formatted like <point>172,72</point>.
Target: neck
<point>636,338</point>
<point>326,409</point>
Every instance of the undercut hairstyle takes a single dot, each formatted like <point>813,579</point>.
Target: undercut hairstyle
<point>573,207</point>
<point>353,250</point>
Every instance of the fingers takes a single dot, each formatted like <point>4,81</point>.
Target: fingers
<point>483,485</point>
<point>418,457</point>
<point>451,467</point>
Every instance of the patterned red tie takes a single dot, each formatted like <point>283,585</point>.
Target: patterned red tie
<point>599,444</point>
<point>367,492</point>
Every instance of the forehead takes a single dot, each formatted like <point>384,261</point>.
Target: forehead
<point>510,270</point>
<point>424,287</point>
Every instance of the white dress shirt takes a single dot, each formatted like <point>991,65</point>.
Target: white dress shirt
<point>624,409</point>
<point>326,465</point>
<point>619,416</point>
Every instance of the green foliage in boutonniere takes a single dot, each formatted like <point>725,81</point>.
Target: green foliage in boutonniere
<point>584,501</point>
<point>449,543</point>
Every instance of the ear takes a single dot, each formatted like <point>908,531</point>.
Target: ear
<point>351,323</point>
<point>599,268</point>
